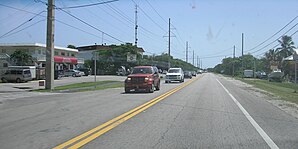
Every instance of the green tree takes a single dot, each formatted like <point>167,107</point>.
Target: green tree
<point>287,47</point>
<point>21,58</point>
<point>71,46</point>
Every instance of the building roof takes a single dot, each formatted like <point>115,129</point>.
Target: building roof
<point>290,58</point>
<point>34,45</point>
<point>101,47</point>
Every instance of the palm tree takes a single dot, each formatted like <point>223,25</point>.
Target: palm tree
<point>272,58</point>
<point>287,47</point>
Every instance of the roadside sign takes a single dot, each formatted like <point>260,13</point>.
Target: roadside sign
<point>131,57</point>
<point>41,83</point>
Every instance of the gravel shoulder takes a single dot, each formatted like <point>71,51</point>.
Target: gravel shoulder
<point>288,107</point>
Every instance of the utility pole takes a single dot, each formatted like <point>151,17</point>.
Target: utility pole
<point>50,46</point>
<point>234,61</point>
<point>197,61</point>
<point>201,64</point>
<point>95,58</point>
<point>102,33</point>
<point>186,51</point>
<point>136,26</point>
<point>169,52</point>
<point>242,59</point>
<point>255,67</point>
<point>193,57</point>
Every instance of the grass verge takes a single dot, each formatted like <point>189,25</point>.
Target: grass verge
<point>86,86</point>
<point>285,91</point>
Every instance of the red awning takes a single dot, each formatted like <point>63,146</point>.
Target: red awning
<point>59,59</point>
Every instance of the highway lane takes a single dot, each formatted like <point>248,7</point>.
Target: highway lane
<point>200,115</point>
<point>203,115</point>
<point>46,120</point>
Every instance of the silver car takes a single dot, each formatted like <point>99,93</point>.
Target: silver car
<point>17,75</point>
<point>74,73</point>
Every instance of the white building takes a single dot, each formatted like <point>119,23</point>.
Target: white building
<point>64,58</point>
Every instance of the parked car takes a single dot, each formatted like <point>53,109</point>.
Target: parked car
<point>17,75</point>
<point>187,74</point>
<point>261,75</point>
<point>72,72</point>
<point>174,74</point>
<point>144,78</point>
<point>194,73</point>
<point>86,71</point>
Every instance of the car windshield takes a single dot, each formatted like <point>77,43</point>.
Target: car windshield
<point>174,70</point>
<point>142,71</point>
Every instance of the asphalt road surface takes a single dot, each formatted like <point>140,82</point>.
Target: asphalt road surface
<point>208,111</point>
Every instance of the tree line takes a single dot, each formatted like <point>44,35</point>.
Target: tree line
<point>273,58</point>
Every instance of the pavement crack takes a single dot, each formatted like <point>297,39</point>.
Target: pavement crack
<point>168,128</point>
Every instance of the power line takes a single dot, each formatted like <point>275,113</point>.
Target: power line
<point>81,30</point>
<point>21,24</point>
<point>276,39</point>
<point>90,25</point>
<point>156,12</point>
<point>23,28</point>
<point>21,10</point>
<point>149,17</point>
<point>273,34</point>
<point>278,44</point>
<point>88,5</point>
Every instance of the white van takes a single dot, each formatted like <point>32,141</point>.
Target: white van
<point>16,75</point>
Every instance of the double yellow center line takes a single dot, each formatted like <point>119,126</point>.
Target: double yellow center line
<point>94,133</point>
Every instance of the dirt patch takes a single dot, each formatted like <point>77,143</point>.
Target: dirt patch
<point>286,106</point>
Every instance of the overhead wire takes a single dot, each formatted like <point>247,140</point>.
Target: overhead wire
<point>275,40</point>
<point>88,5</point>
<point>21,24</point>
<point>149,17</point>
<point>273,34</point>
<point>84,22</point>
<point>23,28</point>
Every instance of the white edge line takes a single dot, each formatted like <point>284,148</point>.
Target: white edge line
<point>263,134</point>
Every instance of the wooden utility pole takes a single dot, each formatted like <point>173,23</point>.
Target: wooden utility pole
<point>169,52</point>
<point>136,26</point>
<point>242,58</point>
<point>234,61</point>
<point>50,46</point>
<point>186,52</point>
<point>193,57</point>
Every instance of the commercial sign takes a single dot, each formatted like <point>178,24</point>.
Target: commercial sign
<point>131,57</point>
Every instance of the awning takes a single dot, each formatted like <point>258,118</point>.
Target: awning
<point>59,59</point>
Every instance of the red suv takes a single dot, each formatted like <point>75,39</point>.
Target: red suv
<point>143,78</point>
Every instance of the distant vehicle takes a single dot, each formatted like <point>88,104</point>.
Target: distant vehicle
<point>248,74</point>
<point>174,74</point>
<point>72,72</point>
<point>144,78</point>
<point>86,71</point>
<point>31,68</point>
<point>261,75</point>
<point>194,73</point>
<point>121,71</point>
<point>187,74</point>
<point>17,75</point>
<point>276,75</point>
<point>200,71</point>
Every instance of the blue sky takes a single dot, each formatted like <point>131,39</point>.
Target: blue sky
<point>212,27</point>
